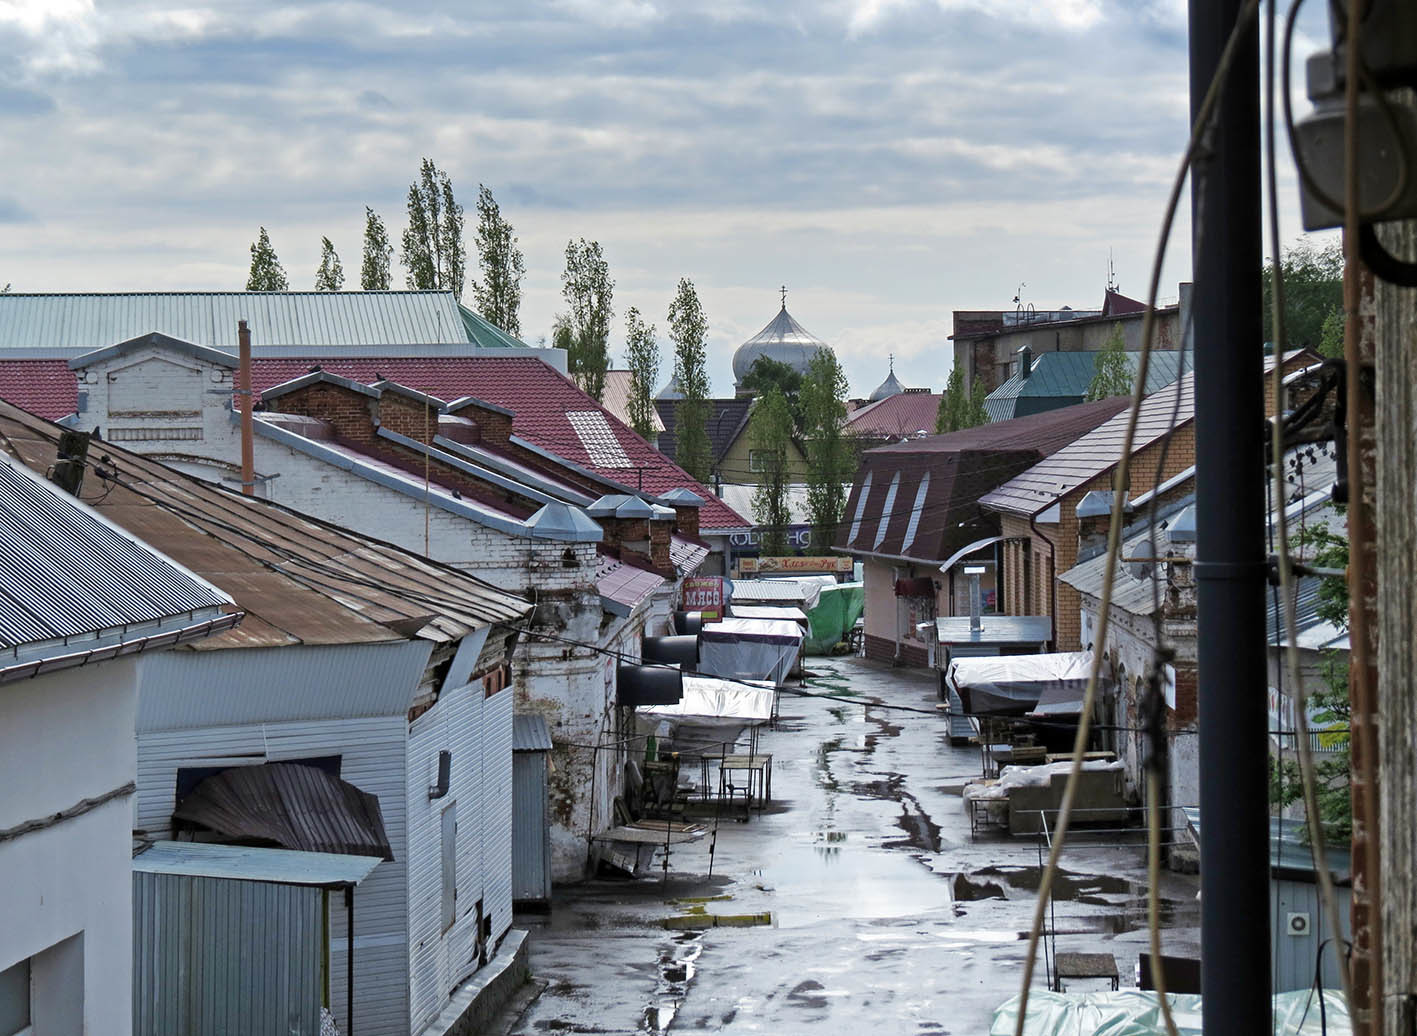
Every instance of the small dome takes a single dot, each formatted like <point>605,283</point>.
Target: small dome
<point>890,387</point>
<point>671,390</point>
<point>783,340</point>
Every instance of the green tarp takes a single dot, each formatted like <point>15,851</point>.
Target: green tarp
<point>836,612</point>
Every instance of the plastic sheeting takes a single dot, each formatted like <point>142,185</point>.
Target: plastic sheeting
<point>1000,685</point>
<point>836,612</point>
<point>711,716</point>
<point>1137,1012</point>
<point>749,649</point>
<point>767,611</point>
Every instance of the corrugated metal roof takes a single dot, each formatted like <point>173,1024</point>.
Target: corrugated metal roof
<point>902,416</point>
<point>298,579</point>
<point>254,863</point>
<point>789,590</point>
<point>530,733</point>
<point>291,807</point>
<point>623,587</point>
<point>685,555</point>
<point>996,629</point>
<point>67,572</point>
<point>78,322</point>
<point>1062,378</point>
<point>616,399</point>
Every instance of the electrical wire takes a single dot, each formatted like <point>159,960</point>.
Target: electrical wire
<point>1280,524</point>
<point>1202,122</point>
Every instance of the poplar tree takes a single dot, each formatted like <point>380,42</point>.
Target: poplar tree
<point>433,250</point>
<point>588,290</point>
<point>831,455</point>
<point>960,409</point>
<point>374,273</point>
<point>688,330</point>
<point>1111,374</point>
<point>266,274</point>
<point>499,292</point>
<point>642,357</point>
<point>770,435</point>
<point>330,275</point>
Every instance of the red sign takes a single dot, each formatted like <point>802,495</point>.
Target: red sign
<point>704,594</point>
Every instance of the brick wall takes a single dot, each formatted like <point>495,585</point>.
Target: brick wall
<point>686,521</point>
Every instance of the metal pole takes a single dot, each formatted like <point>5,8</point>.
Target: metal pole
<point>349,962</point>
<point>1230,520</point>
<point>243,389</point>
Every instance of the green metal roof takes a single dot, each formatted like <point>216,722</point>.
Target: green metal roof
<point>1061,378</point>
<point>485,334</point>
<point>64,324</point>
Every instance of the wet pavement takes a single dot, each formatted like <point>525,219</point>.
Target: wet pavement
<point>858,901</point>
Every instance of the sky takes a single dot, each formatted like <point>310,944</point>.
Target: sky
<point>889,161</point>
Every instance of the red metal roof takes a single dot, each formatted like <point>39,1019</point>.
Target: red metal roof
<point>902,416</point>
<point>45,388</point>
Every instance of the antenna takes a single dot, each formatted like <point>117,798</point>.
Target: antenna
<point>1111,272</point>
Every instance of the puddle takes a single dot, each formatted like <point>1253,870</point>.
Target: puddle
<point>1067,885</point>
<point>677,965</point>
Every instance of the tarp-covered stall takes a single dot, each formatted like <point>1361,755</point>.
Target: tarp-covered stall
<point>1136,1012</point>
<point>836,612</point>
<point>749,649</point>
<point>712,715</point>
<point>1020,685</point>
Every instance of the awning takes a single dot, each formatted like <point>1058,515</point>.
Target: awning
<point>753,649</point>
<point>1014,685</point>
<point>253,863</point>
<point>290,807</point>
<point>530,733</point>
<point>765,611</point>
<point>708,699</point>
<point>968,549</point>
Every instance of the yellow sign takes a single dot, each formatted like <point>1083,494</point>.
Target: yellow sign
<point>831,563</point>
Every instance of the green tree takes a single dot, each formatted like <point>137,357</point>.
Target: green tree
<point>374,273</point>
<point>831,456</point>
<point>589,292</point>
<point>770,434</point>
<point>330,275</point>
<point>499,292</point>
<point>266,274</point>
<point>642,357</point>
<point>1313,292</point>
<point>960,409</point>
<point>433,249</point>
<point>766,373</point>
<point>688,330</point>
<point>1329,706</point>
<point>1111,374</point>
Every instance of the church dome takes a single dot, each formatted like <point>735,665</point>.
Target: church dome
<point>671,390</point>
<point>890,387</point>
<point>783,340</point>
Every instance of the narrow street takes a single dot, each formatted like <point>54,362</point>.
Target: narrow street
<point>858,901</point>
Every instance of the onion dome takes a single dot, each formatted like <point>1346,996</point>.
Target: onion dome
<point>890,387</point>
<point>671,390</point>
<point>783,340</point>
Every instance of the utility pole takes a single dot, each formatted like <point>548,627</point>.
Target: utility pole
<point>1230,524</point>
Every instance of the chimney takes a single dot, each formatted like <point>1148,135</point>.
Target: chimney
<point>976,620</point>
<point>1025,362</point>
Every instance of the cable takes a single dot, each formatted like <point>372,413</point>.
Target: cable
<point>1202,121</point>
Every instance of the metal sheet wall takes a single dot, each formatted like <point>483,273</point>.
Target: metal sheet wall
<point>497,784</point>
<point>218,956</point>
<point>531,833</point>
<point>1295,955</point>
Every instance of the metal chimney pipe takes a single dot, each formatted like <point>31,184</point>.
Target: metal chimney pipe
<point>243,390</point>
<point>976,622</point>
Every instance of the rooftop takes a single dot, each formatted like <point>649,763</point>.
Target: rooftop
<point>1062,378</point>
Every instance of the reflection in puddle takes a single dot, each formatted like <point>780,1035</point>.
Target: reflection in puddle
<point>676,971</point>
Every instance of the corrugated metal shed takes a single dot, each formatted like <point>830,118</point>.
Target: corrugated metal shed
<point>67,572</point>
<point>78,322</point>
<point>300,580</point>
<point>530,733</point>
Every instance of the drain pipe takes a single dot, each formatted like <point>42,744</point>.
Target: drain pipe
<point>1052,582</point>
<point>243,389</point>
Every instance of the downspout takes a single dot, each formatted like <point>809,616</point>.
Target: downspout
<point>1052,582</point>
<point>895,578</point>
<point>349,962</point>
<point>243,389</point>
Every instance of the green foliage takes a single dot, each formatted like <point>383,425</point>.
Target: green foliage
<point>642,357</point>
<point>1331,335</point>
<point>770,433</point>
<point>688,330</point>
<point>1313,291</point>
<point>330,275</point>
<point>588,290</point>
<point>960,409</point>
<point>766,373</point>
<point>374,273</point>
<point>831,455</point>
<point>499,292</point>
<point>266,274</point>
<point>1111,374</point>
<point>433,250</point>
<point>1329,706</point>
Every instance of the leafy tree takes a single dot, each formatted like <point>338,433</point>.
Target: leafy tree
<point>688,330</point>
<point>1330,706</point>
<point>770,433</point>
<point>1111,374</point>
<point>330,275</point>
<point>1313,293</point>
<point>588,290</point>
<point>960,409</point>
<point>499,292</point>
<point>374,273</point>
<point>766,373</point>
<point>831,458</point>
<point>433,248</point>
<point>267,274</point>
<point>642,357</point>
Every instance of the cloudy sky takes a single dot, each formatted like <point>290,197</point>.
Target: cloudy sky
<point>888,160</point>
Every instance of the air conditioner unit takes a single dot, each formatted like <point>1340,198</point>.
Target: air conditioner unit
<point>1297,925</point>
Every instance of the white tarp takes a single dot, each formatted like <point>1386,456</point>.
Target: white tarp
<point>713,713</point>
<point>801,591</point>
<point>1137,1012</point>
<point>749,649</point>
<point>997,684</point>
<point>764,611</point>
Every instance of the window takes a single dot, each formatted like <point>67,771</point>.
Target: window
<point>758,459</point>
<point>449,911</point>
<point>15,999</point>
<point>886,511</point>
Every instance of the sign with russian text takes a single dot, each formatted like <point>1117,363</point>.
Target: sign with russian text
<point>832,563</point>
<point>704,594</point>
